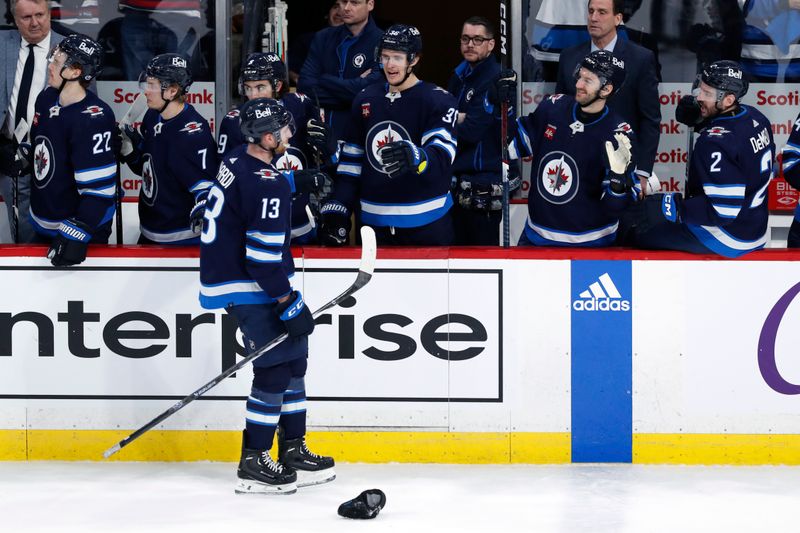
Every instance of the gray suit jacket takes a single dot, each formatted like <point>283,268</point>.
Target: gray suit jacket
<point>9,53</point>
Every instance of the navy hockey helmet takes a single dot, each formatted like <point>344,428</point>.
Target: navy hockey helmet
<point>401,38</point>
<point>727,77</point>
<point>169,69</point>
<point>263,66</point>
<point>263,115</point>
<point>82,51</point>
<point>607,67</point>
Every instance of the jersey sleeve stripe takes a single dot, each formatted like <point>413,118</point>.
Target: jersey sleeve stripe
<point>349,168</point>
<point>229,287</point>
<point>105,192</point>
<point>790,163</point>
<point>791,148</point>
<point>725,211</point>
<point>438,132</point>
<point>262,256</point>
<point>201,185</point>
<point>527,149</point>
<point>724,191</point>
<point>91,175</point>
<point>450,149</point>
<point>352,150</point>
<point>270,239</point>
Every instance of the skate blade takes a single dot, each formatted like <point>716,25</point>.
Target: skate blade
<point>307,478</point>
<point>249,486</point>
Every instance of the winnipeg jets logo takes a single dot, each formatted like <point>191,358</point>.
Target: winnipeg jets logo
<point>554,98</point>
<point>393,96</point>
<point>558,178</point>
<point>576,127</point>
<point>359,60</point>
<point>157,129</point>
<point>43,164</point>
<point>54,111</point>
<point>192,127</point>
<point>93,111</point>
<point>265,174</point>
<point>233,113</point>
<point>379,136</point>
<point>624,127</point>
<point>717,131</point>
<point>149,181</point>
<point>292,159</point>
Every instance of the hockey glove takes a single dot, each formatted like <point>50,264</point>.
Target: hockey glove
<point>400,157</point>
<point>688,111</point>
<point>618,161</point>
<point>655,209</point>
<point>504,89</point>
<point>14,160</point>
<point>321,140</point>
<point>306,181</point>
<point>198,212</point>
<point>335,225</point>
<point>69,246</point>
<point>295,315</point>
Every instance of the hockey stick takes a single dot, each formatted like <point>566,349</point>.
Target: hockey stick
<point>504,57</point>
<point>365,269</point>
<point>20,132</point>
<point>134,113</point>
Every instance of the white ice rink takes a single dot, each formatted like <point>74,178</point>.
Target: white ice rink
<point>160,497</point>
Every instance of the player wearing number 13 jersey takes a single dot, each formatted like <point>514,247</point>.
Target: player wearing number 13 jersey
<point>398,154</point>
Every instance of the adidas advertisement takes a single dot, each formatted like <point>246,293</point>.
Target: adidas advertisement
<point>602,295</point>
<point>601,346</point>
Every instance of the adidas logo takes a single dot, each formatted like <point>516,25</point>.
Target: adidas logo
<point>602,295</point>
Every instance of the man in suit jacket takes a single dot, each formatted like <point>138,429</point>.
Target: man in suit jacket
<point>637,101</point>
<point>32,18</point>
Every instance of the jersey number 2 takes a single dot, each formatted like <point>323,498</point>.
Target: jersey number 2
<point>99,145</point>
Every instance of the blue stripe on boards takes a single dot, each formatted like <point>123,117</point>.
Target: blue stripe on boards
<point>601,361</point>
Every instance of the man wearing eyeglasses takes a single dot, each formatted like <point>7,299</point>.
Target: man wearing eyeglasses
<point>477,168</point>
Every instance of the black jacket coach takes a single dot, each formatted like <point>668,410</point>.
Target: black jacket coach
<point>637,102</point>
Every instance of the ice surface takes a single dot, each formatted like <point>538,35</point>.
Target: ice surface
<point>159,497</point>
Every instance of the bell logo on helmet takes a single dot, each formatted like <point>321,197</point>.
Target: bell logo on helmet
<point>618,62</point>
<point>735,73</point>
<point>263,113</point>
<point>86,48</point>
<point>178,62</point>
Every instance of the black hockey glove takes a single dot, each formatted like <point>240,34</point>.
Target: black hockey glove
<point>320,138</point>
<point>504,89</point>
<point>15,160</point>
<point>655,209</point>
<point>688,111</point>
<point>69,246</point>
<point>400,157</point>
<point>306,181</point>
<point>618,160</point>
<point>335,226</point>
<point>198,212</point>
<point>295,315</point>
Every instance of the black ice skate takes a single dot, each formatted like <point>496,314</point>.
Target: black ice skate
<point>259,474</point>
<point>312,469</point>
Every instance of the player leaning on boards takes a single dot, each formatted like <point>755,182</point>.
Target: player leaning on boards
<point>397,155</point>
<point>74,169</point>
<point>725,210</point>
<point>263,75</point>
<point>790,159</point>
<point>580,182</point>
<point>174,153</point>
<point>245,267</point>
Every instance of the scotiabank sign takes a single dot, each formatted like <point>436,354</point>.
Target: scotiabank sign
<point>121,94</point>
<point>121,332</point>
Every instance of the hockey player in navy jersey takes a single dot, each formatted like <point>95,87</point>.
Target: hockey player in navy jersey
<point>264,76</point>
<point>174,153</point>
<point>725,209</point>
<point>74,168</point>
<point>246,268</point>
<point>581,176</point>
<point>396,160</point>
<point>790,159</point>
